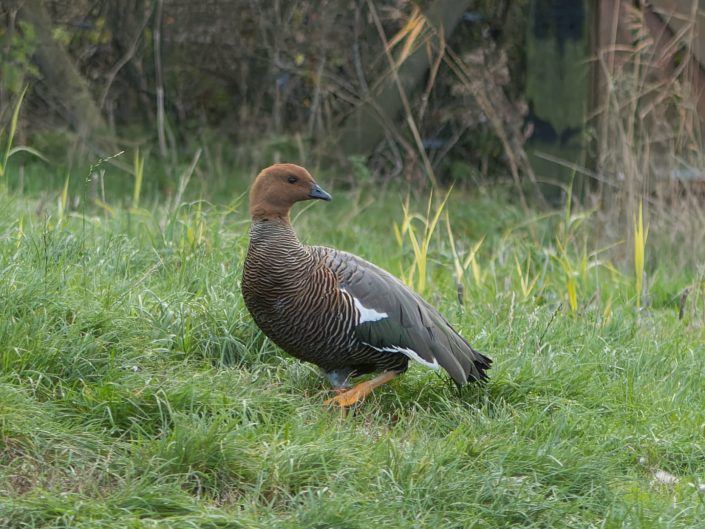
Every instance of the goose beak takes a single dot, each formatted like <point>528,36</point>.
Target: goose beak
<point>317,192</point>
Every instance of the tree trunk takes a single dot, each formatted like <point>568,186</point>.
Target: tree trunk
<point>65,83</point>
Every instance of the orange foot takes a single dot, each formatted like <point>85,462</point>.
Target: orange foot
<point>361,390</point>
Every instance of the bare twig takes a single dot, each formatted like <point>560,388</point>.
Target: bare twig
<point>545,330</point>
<point>314,116</point>
<point>450,144</point>
<point>432,74</point>
<point>402,95</point>
<point>515,154</point>
<point>575,167</point>
<point>186,178</point>
<point>122,62</point>
<point>356,53</point>
<point>159,77</point>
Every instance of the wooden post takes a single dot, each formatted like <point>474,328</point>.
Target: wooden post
<point>557,90</point>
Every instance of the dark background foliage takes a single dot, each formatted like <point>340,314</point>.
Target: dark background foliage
<point>252,71</point>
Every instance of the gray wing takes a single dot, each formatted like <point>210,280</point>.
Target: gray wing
<point>394,319</point>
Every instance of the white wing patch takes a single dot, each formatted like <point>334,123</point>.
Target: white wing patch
<point>366,315</point>
<point>413,355</point>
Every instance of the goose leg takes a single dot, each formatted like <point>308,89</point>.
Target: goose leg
<point>339,379</point>
<point>361,390</point>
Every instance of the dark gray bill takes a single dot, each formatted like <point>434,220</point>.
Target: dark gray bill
<point>317,192</point>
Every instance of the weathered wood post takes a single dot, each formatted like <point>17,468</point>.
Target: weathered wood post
<point>557,90</point>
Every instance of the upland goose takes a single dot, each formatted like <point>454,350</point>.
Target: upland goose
<point>334,309</point>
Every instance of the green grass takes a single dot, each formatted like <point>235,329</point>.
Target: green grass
<point>135,391</point>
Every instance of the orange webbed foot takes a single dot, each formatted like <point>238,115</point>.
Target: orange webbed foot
<point>346,398</point>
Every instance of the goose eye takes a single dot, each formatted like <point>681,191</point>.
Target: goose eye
<point>292,179</point>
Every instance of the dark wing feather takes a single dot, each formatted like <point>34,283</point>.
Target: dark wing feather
<point>411,323</point>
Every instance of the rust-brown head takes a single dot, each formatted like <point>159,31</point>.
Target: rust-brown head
<point>280,186</point>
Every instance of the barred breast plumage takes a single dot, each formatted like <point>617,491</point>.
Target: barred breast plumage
<point>334,309</point>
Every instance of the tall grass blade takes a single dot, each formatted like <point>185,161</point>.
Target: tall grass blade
<point>64,200</point>
<point>9,149</point>
<point>471,261</point>
<point>12,131</point>
<point>420,244</point>
<point>138,165</point>
<point>640,236</point>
